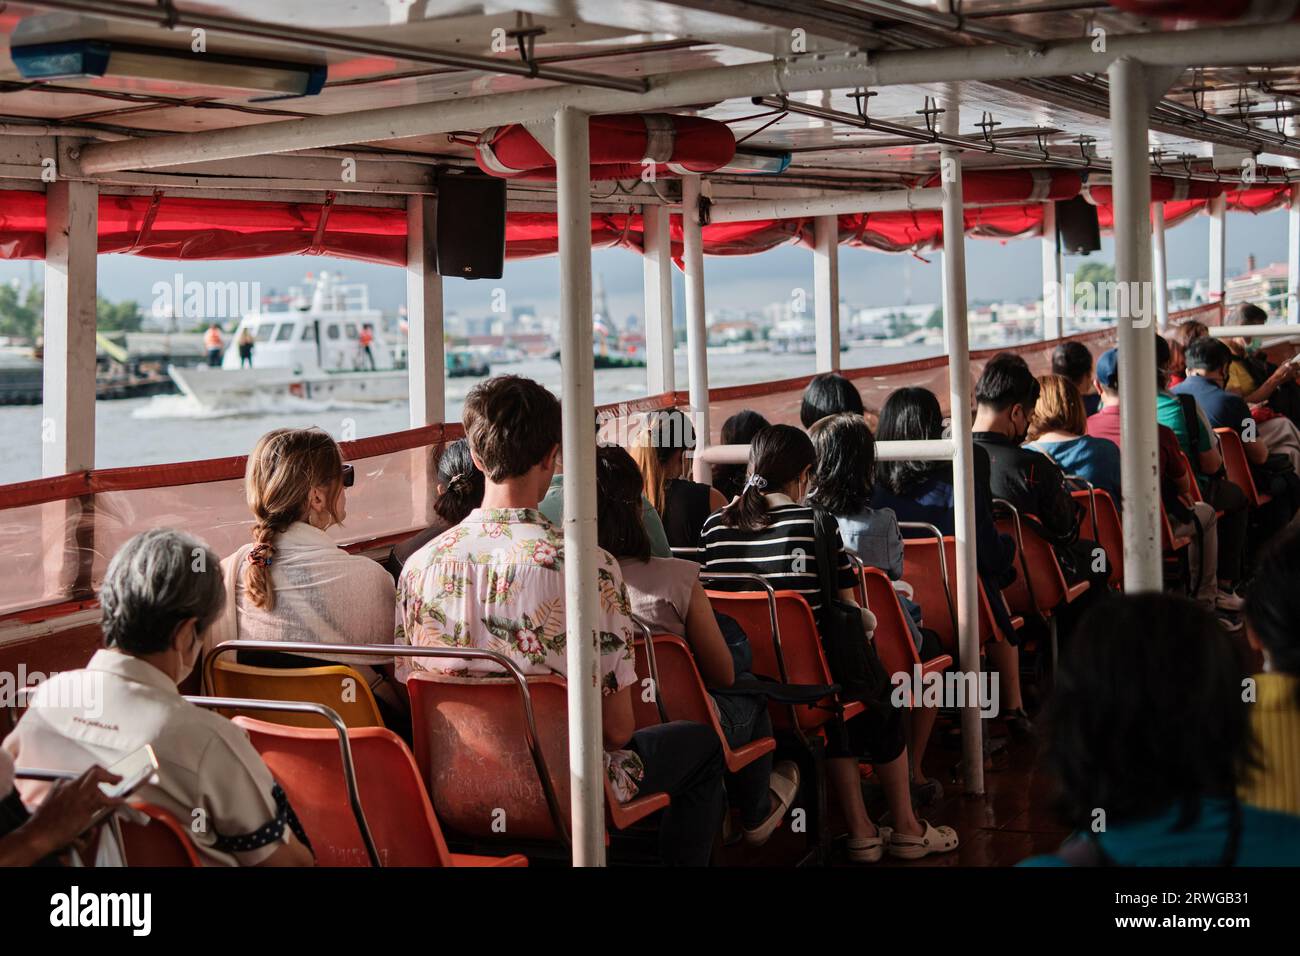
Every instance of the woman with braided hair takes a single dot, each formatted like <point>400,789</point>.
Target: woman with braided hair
<point>292,582</point>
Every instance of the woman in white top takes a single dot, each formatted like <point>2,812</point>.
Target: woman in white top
<point>293,583</point>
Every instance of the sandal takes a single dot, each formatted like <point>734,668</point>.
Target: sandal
<point>870,849</point>
<point>933,840</point>
<point>784,785</point>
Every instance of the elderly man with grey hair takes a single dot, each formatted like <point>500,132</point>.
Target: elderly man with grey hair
<point>161,591</point>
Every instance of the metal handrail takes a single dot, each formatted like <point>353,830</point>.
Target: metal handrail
<point>1020,550</point>
<point>345,747</point>
<point>1092,501</point>
<point>859,575</point>
<point>653,664</point>
<point>934,532</point>
<point>461,653</point>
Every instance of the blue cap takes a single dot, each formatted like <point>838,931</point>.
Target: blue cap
<point>1107,369</point>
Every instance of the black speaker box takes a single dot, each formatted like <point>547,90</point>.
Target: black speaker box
<point>471,231</point>
<point>1076,226</point>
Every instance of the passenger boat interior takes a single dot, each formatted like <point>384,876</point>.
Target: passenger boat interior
<point>443,139</point>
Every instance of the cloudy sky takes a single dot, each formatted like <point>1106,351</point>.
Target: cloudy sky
<point>994,271</point>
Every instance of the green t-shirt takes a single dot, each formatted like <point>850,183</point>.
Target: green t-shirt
<point>553,507</point>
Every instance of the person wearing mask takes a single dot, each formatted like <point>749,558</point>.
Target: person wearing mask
<point>293,583</point>
<point>1250,374</point>
<point>1073,362</point>
<point>1148,726</point>
<point>739,429</point>
<point>667,596</point>
<point>659,450</point>
<point>161,591</point>
<point>767,531</point>
<point>829,394</point>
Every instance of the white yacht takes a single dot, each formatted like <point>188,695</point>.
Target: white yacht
<point>311,350</point>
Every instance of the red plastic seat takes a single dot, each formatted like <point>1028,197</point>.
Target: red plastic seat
<point>1238,467</point>
<point>679,691</point>
<point>1108,531</point>
<point>1047,585</point>
<point>161,841</point>
<point>472,738</point>
<point>308,765</point>
<point>894,641</point>
<point>932,589</point>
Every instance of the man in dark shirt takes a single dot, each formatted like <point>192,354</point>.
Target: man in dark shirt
<point>1208,361</point>
<point>1005,396</point>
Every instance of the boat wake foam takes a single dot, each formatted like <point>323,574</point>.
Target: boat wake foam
<point>184,406</point>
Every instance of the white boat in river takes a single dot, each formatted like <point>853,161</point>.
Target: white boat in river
<point>312,351</point>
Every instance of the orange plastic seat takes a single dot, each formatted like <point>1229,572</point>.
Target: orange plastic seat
<point>1107,530</point>
<point>1047,585</point>
<point>473,747</point>
<point>307,763</point>
<point>161,841</point>
<point>337,686</point>
<point>1238,467</point>
<point>679,694</point>
<point>927,569</point>
<point>894,642</point>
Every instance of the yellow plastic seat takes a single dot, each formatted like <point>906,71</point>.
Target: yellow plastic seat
<point>336,686</point>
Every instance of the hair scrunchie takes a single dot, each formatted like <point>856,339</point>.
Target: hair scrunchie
<point>260,555</point>
<point>754,481</point>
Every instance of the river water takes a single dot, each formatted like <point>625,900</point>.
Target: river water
<point>167,428</point>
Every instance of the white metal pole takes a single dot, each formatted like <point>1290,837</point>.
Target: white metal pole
<point>425,360</point>
<point>959,399</point>
<point>697,356</point>
<point>586,755</point>
<point>68,403</point>
<point>1139,462</point>
<point>826,291</point>
<point>1218,247</point>
<point>831,204</point>
<point>657,272</point>
<point>1159,265</point>
<point>1053,295</point>
<point>1293,258</point>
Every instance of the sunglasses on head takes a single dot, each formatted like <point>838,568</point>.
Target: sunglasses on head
<point>349,476</point>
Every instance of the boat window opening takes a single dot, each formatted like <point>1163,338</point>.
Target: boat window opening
<point>309,333</point>
<point>350,330</point>
<point>264,332</point>
<point>285,332</point>
<point>331,331</point>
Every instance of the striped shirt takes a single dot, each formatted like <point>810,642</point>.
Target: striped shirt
<point>784,552</point>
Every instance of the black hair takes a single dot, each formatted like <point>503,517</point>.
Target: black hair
<point>1147,715</point>
<point>461,481</point>
<point>846,461</point>
<point>1007,382</point>
<point>777,455</point>
<point>620,528</point>
<point>1247,313</point>
<point>1207,354</point>
<point>909,414</point>
<point>1273,604</point>
<point>1071,360</point>
<point>739,429</point>
<point>829,394</point>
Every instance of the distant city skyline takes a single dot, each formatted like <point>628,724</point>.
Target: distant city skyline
<point>995,271</point>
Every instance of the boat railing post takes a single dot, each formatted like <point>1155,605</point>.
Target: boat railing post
<point>697,340</point>
<point>1136,331</point>
<point>425,358</point>
<point>586,742</point>
<point>1293,258</point>
<point>1218,247</point>
<point>657,272</point>
<point>959,398</point>
<point>1053,292</point>
<point>1159,265</point>
<point>826,291</point>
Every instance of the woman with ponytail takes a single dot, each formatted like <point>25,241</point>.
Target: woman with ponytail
<point>293,583</point>
<point>660,452</point>
<point>460,491</point>
<point>767,531</point>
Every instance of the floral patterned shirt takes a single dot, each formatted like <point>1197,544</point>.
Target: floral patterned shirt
<point>496,581</point>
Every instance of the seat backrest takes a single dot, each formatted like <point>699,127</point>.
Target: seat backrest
<point>470,736</point>
<point>336,686</point>
<point>894,643</point>
<point>162,841</point>
<point>1237,465</point>
<point>308,765</point>
<point>1191,474</point>
<point>923,570</point>
<point>1038,560</point>
<point>800,645</point>
<point>1109,530</point>
<point>680,689</point>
